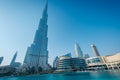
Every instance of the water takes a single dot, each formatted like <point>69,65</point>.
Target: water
<point>70,76</point>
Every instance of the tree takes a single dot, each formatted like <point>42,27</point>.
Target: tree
<point>32,70</point>
<point>40,69</point>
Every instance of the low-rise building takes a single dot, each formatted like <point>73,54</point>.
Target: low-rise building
<point>109,62</point>
<point>95,63</point>
<point>6,70</point>
<point>78,64</point>
<point>64,63</point>
<point>112,61</point>
<point>67,63</point>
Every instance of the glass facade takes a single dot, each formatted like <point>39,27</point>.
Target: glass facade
<point>94,60</point>
<point>78,51</point>
<point>78,64</point>
<point>71,64</point>
<point>37,53</point>
<point>95,63</point>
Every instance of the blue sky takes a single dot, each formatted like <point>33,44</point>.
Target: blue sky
<point>85,21</point>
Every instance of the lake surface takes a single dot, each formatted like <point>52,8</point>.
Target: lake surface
<point>70,76</point>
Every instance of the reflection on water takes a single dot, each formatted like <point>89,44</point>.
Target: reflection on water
<point>71,76</point>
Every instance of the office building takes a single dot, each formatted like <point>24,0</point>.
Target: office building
<point>64,63</point>
<point>78,51</point>
<point>78,64</point>
<point>109,62</point>
<point>112,61</point>
<point>86,56</point>
<point>14,63</point>
<point>67,63</point>
<point>95,51</point>
<point>55,63</point>
<point>95,63</point>
<point>1,59</point>
<point>13,59</point>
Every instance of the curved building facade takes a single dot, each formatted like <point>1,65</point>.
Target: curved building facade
<point>95,63</point>
<point>67,63</point>
<point>78,64</point>
<point>112,61</point>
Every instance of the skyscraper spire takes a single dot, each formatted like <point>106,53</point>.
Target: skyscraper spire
<point>78,51</point>
<point>95,51</point>
<point>14,58</point>
<point>43,27</point>
<point>37,53</point>
<point>46,6</point>
<point>45,14</point>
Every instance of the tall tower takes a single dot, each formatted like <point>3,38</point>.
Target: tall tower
<point>94,49</point>
<point>86,56</point>
<point>55,62</point>
<point>1,59</point>
<point>78,51</point>
<point>37,53</point>
<point>13,59</point>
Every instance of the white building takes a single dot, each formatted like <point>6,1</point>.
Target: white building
<point>78,51</point>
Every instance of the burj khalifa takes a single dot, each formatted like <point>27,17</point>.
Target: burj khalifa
<point>37,53</point>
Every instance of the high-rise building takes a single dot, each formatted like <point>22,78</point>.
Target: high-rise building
<point>78,51</point>
<point>86,56</point>
<point>13,62</point>
<point>1,59</point>
<point>95,51</point>
<point>55,62</point>
<point>37,53</point>
<point>68,55</point>
<point>13,59</point>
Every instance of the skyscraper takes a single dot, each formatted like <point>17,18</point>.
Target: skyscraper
<point>55,62</point>
<point>37,53</point>
<point>13,59</point>
<point>78,51</point>
<point>86,56</point>
<point>1,59</point>
<point>95,51</point>
<point>13,62</point>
